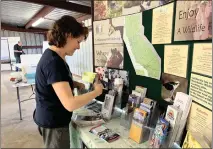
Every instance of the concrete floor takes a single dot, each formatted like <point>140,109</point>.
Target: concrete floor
<point>16,133</point>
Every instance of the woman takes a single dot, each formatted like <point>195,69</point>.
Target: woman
<point>54,84</point>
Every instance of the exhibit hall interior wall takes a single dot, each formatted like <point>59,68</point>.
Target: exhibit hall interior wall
<point>164,46</point>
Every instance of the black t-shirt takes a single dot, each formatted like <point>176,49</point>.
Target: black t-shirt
<point>50,113</point>
<point>19,48</point>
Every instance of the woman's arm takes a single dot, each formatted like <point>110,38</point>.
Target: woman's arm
<point>71,102</point>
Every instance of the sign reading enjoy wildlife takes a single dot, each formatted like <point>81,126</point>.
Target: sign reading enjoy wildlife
<point>193,20</point>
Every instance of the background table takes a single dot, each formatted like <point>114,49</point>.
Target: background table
<point>19,85</point>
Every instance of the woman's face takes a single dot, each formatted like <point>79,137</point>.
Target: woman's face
<point>73,44</point>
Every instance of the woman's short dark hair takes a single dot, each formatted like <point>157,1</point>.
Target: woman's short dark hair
<point>64,27</point>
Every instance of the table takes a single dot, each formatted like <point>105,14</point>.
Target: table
<point>81,135</point>
<point>17,86</point>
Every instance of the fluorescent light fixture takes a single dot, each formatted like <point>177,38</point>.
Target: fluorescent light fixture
<point>38,22</point>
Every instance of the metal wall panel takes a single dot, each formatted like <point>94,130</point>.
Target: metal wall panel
<point>17,34</point>
<point>27,39</point>
<point>23,38</point>
<point>27,35</point>
<point>32,38</point>
<point>82,60</point>
<point>41,37</point>
<point>11,34</point>
<point>2,34</point>
<point>25,51</point>
<point>5,34</point>
<point>37,39</point>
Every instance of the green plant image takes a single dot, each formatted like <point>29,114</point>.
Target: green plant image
<point>114,9</point>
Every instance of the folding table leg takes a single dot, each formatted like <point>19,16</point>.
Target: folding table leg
<point>19,102</point>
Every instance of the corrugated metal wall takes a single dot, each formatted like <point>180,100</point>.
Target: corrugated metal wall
<point>27,39</point>
<point>82,60</point>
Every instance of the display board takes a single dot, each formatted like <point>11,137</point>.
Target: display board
<point>5,55</point>
<point>153,85</point>
<point>166,49</point>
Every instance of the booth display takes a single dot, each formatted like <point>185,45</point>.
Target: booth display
<point>147,94</point>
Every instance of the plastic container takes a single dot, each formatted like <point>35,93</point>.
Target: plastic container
<point>171,137</point>
<point>29,73</point>
<point>118,86</point>
<point>126,118</point>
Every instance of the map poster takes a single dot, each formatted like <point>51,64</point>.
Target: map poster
<point>108,31</point>
<point>200,120</point>
<point>162,24</point>
<point>175,59</point>
<point>104,9</point>
<point>201,90</point>
<point>172,84</point>
<point>109,55</point>
<point>193,20</point>
<point>202,58</point>
<point>143,55</point>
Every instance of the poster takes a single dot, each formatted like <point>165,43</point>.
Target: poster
<point>109,55</point>
<point>202,58</point>
<point>162,24</point>
<point>200,120</point>
<point>130,7</point>
<point>193,20</point>
<point>175,59</point>
<point>105,9</point>
<point>201,90</point>
<point>103,73</point>
<point>114,73</point>
<point>109,9</point>
<point>108,31</point>
<point>194,140</point>
<point>143,55</point>
<point>171,85</point>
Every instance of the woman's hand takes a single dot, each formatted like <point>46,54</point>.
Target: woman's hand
<point>98,88</point>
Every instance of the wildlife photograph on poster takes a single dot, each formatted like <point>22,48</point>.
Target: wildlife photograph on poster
<point>172,84</point>
<point>109,55</point>
<point>104,9</point>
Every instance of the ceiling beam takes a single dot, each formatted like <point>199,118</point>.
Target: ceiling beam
<point>18,29</point>
<point>63,4</point>
<point>42,13</point>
